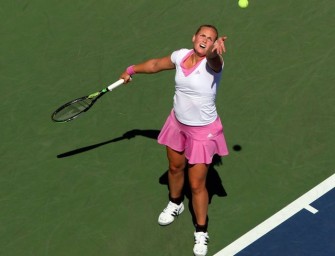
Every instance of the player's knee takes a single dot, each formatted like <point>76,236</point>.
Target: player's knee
<point>175,169</point>
<point>198,187</point>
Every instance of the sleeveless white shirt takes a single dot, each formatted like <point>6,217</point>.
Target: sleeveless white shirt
<point>195,91</point>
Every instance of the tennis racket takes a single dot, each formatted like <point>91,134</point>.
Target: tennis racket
<point>74,108</point>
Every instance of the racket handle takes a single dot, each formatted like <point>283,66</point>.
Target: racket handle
<point>114,85</point>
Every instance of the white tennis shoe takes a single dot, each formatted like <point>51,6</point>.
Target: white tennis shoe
<point>168,215</point>
<point>201,240</point>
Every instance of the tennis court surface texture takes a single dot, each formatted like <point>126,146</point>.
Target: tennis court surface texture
<point>95,186</point>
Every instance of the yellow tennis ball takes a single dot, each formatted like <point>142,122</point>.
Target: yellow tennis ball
<point>243,3</point>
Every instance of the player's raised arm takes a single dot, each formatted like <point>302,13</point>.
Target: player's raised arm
<point>214,54</point>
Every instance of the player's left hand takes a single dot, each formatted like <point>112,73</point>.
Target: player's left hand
<point>219,45</point>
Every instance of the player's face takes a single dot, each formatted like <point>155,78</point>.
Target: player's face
<point>203,40</point>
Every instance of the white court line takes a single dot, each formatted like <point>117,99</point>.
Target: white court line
<point>266,226</point>
<point>311,209</point>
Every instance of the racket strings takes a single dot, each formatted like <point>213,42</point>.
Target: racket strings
<point>73,109</point>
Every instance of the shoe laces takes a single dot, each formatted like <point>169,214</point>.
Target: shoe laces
<point>201,238</point>
<point>172,209</point>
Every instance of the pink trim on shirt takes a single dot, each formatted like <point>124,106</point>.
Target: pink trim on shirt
<point>188,71</point>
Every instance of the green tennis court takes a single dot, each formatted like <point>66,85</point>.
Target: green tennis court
<point>95,186</point>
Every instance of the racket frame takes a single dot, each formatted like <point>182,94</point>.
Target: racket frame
<point>94,96</point>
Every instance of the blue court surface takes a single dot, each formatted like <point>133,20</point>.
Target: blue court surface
<point>306,227</point>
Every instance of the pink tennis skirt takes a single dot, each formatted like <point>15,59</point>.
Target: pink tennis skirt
<point>199,143</point>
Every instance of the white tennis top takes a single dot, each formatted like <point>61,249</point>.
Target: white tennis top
<point>195,90</point>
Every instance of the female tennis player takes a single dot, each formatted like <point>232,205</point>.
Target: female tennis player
<point>193,132</point>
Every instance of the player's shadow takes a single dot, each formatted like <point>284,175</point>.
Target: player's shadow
<point>152,134</point>
<point>213,184</point>
<point>213,181</point>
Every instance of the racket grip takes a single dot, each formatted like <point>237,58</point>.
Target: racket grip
<point>114,85</point>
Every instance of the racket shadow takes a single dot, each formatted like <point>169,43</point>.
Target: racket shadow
<point>213,184</point>
<point>152,134</point>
